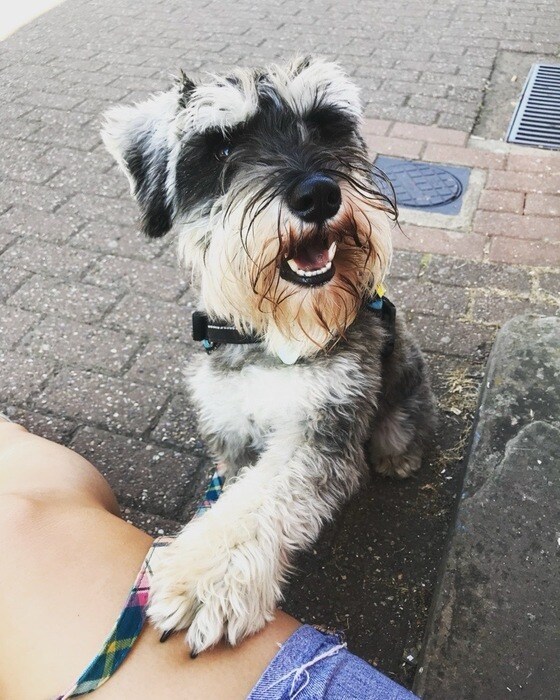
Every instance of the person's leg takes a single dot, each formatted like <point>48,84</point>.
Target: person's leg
<point>35,467</point>
<point>67,563</point>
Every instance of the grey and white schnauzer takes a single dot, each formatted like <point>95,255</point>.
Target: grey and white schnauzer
<point>309,380</point>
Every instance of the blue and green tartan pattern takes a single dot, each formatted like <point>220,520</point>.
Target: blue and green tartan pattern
<point>129,625</point>
<point>213,491</point>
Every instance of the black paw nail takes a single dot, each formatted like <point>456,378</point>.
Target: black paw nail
<point>165,636</point>
<point>194,654</point>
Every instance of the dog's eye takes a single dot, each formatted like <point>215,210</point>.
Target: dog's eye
<point>224,151</point>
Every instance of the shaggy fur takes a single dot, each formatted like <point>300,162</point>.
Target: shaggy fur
<point>233,163</point>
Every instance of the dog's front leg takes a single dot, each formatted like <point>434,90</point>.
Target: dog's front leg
<point>223,574</point>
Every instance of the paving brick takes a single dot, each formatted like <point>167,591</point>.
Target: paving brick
<point>474,158</point>
<point>143,314</point>
<point>13,325</point>
<point>11,279</point>
<point>6,239</point>
<point>524,252</point>
<point>542,204</point>
<point>39,224</point>
<point>78,344</point>
<point>51,428</point>
<point>405,264</point>
<point>82,138</point>
<point>429,133</point>
<point>434,300</point>
<point>154,525</point>
<point>18,129</point>
<point>123,274</point>
<point>376,127</point>
<point>40,256</point>
<point>434,240</point>
<point>143,476</point>
<point>126,241</point>
<point>496,200</point>
<point>47,99</point>
<point>25,166</point>
<point>459,122</point>
<point>163,363</point>
<point>405,148</point>
<point>112,403</point>
<point>446,106</point>
<point>77,179</point>
<point>179,427</point>
<point>497,310</point>
<point>451,338</point>
<point>81,302</point>
<point>38,196</point>
<point>535,163</point>
<point>523,182</point>
<point>549,282</point>
<point>21,376</point>
<point>170,255</point>
<point>57,117</point>
<point>516,226</point>
<point>19,155</point>
<point>465,273</point>
<point>85,206</point>
<point>62,158</point>
<point>400,113</point>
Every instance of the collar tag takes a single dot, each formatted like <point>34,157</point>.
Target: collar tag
<point>288,353</point>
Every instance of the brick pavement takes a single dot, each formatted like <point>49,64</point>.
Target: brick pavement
<point>94,321</point>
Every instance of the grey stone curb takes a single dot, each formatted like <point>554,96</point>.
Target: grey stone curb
<point>494,631</point>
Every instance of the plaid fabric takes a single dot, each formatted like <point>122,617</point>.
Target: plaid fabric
<point>214,489</point>
<point>131,620</point>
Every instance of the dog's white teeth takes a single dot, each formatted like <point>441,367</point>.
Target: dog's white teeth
<point>292,264</point>
<point>332,252</point>
<point>308,273</point>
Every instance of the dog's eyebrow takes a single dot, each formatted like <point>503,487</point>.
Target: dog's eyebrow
<point>220,106</point>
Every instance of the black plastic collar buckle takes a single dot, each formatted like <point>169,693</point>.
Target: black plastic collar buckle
<point>199,325</point>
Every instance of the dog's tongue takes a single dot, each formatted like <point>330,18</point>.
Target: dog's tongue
<point>312,256</point>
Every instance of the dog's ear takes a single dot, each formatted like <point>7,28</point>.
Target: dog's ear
<point>140,137</point>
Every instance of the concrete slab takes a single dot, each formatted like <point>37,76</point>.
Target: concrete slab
<point>495,627</point>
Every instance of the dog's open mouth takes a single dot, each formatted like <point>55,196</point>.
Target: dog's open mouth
<point>311,263</point>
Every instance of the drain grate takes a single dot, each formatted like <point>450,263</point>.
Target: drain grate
<point>536,121</point>
<point>425,185</point>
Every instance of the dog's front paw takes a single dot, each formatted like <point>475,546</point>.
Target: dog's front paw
<point>399,466</point>
<point>213,586</point>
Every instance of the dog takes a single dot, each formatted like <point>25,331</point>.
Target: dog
<point>309,378</point>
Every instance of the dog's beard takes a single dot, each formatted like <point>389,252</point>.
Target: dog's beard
<point>239,249</point>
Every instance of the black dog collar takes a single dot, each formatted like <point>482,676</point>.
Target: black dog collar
<point>212,333</point>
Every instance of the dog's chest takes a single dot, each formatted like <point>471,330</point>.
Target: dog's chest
<point>263,397</point>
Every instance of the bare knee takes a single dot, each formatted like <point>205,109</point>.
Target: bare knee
<point>11,433</point>
<point>20,517</point>
<point>34,467</point>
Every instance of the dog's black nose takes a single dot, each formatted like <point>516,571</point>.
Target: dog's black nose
<point>315,198</point>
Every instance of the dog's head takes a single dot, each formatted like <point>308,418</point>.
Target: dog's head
<point>267,179</point>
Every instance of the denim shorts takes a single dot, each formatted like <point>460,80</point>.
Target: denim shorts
<point>314,665</point>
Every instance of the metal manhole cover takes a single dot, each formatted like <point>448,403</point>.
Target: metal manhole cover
<point>425,185</point>
<point>536,121</point>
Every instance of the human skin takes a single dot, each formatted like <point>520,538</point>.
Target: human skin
<point>67,562</point>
